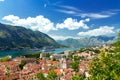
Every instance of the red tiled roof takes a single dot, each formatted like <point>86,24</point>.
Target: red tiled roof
<point>68,76</point>
<point>42,61</point>
<point>58,71</point>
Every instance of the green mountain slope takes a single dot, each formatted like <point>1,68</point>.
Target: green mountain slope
<point>20,37</point>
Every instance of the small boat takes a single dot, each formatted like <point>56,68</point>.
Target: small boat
<point>48,49</point>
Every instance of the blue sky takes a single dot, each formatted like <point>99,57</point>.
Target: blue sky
<point>63,19</point>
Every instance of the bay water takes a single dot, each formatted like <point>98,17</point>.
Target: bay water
<point>17,53</point>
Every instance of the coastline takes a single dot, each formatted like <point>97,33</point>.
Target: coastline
<point>20,52</point>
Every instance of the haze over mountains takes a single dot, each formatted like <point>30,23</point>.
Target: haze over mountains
<point>87,42</point>
<point>20,37</point>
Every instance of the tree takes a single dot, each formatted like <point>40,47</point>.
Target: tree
<point>22,64</point>
<point>52,75</point>
<point>117,43</point>
<point>47,55</point>
<point>105,67</point>
<point>40,76</point>
<point>75,65</point>
<point>7,71</point>
<point>77,58</point>
<point>119,36</point>
<point>77,77</point>
<point>5,59</point>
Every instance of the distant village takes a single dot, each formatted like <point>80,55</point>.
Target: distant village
<point>61,64</point>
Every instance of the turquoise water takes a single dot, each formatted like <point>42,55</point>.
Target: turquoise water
<point>58,50</point>
<point>17,53</point>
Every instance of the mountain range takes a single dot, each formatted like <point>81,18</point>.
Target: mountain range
<point>19,37</point>
<point>87,42</point>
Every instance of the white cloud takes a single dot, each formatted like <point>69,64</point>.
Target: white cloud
<point>88,15</point>
<point>103,30</point>
<point>66,11</point>
<point>2,0</point>
<point>118,30</point>
<point>56,37</point>
<point>39,23</point>
<point>43,24</point>
<point>77,12</point>
<point>94,15</point>
<point>11,18</point>
<point>69,7</point>
<point>72,24</point>
<point>45,5</point>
